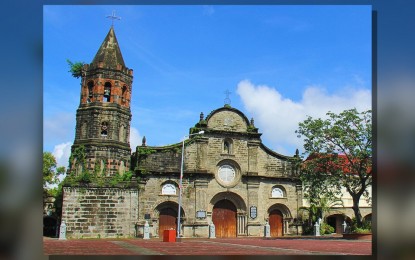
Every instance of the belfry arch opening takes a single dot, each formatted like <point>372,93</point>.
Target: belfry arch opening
<point>90,91</point>
<point>107,92</point>
<point>124,94</point>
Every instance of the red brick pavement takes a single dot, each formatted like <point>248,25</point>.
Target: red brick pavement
<point>321,246</point>
<point>83,247</point>
<point>238,246</point>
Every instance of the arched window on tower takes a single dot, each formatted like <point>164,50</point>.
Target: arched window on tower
<point>90,91</point>
<point>104,129</point>
<point>107,92</point>
<point>124,94</point>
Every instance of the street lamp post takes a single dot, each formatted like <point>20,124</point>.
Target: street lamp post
<point>180,184</point>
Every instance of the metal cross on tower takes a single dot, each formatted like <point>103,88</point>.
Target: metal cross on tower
<point>227,99</point>
<point>113,17</point>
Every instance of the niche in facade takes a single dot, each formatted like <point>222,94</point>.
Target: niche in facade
<point>228,146</point>
<point>104,129</point>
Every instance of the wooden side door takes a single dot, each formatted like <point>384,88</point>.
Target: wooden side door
<point>167,220</point>
<point>275,223</point>
<point>224,218</point>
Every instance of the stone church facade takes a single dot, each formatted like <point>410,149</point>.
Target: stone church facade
<point>230,178</point>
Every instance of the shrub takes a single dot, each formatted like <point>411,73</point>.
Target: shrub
<point>362,231</point>
<point>326,229</point>
<point>366,226</point>
<point>308,230</point>
<point>85,177</point>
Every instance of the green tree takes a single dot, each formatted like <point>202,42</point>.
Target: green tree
<point>76,68</point>
<point>50,171</point>
<point>320,206</point>
<point>340,150</point>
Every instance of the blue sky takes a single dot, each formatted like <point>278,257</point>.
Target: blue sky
<point>281,63</point>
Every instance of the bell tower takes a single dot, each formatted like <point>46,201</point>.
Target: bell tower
<point>104,115</point>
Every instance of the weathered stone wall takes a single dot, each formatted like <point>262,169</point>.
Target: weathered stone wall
<point>90,116</point>
<point>164,160</point>
<point>99,212</point>
<point>228,121</point>
<point>257,171</point>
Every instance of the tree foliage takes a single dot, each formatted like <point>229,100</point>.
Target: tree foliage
<point>75,68</point>
<point>50,171</point>
<point>340,155</point>
<point>320,206</point>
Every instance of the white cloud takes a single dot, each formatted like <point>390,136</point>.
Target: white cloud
<point>62,152</point>
<point>135,138</point>
<point>277,117</point>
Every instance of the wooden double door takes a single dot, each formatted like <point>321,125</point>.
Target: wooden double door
<point>276,223</point>
<point>224,218</point>
<point>167,220</point>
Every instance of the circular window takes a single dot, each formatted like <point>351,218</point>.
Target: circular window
<point>226,174</point>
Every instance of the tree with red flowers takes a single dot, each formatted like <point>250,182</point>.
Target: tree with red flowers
<point>339,151</point>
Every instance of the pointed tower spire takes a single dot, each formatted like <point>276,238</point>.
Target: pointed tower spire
<point>109,54</point>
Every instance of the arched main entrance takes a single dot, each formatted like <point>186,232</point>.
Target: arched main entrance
<point>276,223</point>
<point>224,218</point>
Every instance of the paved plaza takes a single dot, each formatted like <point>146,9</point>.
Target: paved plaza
<point>196,246</point>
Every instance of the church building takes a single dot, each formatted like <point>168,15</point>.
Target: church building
<point>222,174</point>
<point>230,178</point>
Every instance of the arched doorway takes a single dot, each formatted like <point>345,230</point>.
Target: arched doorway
<point>276,223</point>
<point>368,217</point>
<point>49,226</point>
<point>336,221</point>
<point>224,218</point>
<point>279,217</point>
<point>167,219</point>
